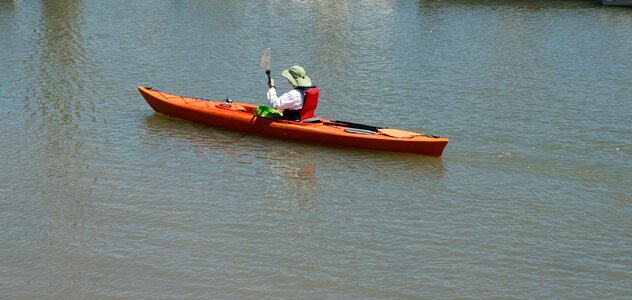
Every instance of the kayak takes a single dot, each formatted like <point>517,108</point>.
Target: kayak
<point>240,117</point>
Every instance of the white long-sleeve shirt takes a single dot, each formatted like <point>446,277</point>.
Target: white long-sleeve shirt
<point>291,100</point>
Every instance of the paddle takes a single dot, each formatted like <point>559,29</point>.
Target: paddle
<point>353,125</point>
<point>399,133</point>
<point>383,130</point>
<point>265,64</point>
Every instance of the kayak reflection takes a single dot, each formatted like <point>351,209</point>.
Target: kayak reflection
<point>173,133</point>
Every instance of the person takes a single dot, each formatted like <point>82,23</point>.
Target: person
<point>291,102</point>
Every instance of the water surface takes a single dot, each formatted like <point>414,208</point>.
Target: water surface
<point>102,198</point>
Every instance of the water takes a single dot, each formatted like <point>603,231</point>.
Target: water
<point>101,198</point>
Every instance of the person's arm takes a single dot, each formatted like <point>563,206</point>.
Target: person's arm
<point>288,100</point>
<point>273,100</point>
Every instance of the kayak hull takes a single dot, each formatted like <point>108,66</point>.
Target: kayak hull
<point>239,117</point>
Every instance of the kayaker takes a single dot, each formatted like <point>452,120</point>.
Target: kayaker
<point>291,102</point>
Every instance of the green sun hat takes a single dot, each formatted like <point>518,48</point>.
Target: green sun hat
<point>296,76</point>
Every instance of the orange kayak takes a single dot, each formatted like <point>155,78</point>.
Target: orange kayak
<point>240,117</point>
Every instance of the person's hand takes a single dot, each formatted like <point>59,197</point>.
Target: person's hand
<point>271,84</point>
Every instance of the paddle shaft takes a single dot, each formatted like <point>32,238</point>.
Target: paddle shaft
<point>384,130</point>
<point>353,125</point>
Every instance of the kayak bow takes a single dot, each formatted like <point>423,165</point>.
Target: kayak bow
<point>240,117</point>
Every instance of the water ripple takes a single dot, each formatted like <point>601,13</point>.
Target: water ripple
<point>100,197</point>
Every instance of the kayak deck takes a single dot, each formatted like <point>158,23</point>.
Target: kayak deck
<point>240,117</point>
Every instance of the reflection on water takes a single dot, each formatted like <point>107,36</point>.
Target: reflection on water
<point>293,191</point>
<point>7,4</point>
<point>527,5</point>
<point>55,98</point>
<point>292,174</point>
<point>165,130</point>
<point>102,198</point>
<point>55,224</point>
<point>60,115</point>
<point>339,28</point>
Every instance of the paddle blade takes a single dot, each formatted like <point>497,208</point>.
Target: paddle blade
<point>265,60</point>
<point>398,133</point>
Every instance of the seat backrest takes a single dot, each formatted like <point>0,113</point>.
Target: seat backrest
<point>310,103</point>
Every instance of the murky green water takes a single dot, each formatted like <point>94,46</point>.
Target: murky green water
<point>101,198</point>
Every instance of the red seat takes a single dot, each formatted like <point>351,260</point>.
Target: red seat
<point>310,103</point>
